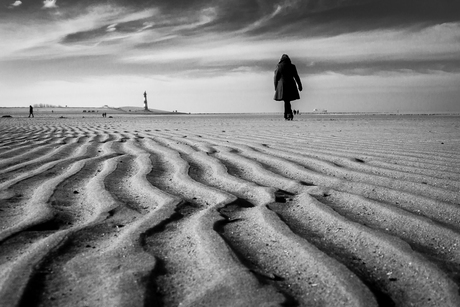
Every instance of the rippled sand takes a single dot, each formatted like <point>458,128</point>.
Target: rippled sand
<point>230,211</point>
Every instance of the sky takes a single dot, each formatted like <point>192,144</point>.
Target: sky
<point>219,56</point>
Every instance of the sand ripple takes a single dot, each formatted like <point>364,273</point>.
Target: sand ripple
<point>230,211</point>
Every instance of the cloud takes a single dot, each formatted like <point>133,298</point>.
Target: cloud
<point>432,48</point>
<point>103,20</point>
<point>263,20</point>
<point>199,39</point>
<point>15,4</point>
<point>333,17</point>
<point>112,27</point>
<point>49,4</point>
<point>146,25</point>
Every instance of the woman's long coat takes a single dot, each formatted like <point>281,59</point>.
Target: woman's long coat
<point>285,81</point>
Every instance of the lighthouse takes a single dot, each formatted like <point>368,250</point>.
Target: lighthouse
<point>146,107</point>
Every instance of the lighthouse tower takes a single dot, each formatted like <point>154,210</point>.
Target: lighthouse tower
<point>146,107</point>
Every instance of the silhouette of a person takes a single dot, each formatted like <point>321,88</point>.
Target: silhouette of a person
<point>31,111</point>
<point>286,77</point>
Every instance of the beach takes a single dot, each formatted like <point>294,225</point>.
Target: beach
<point>230,210</point>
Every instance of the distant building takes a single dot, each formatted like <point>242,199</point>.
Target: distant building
<point>146,107</point>
<point>319,111</point>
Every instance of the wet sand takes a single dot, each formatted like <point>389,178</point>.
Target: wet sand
<point>230,210</point>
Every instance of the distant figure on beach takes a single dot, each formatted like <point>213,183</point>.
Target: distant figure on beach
<point>286,77</point>
<point>31,111</point>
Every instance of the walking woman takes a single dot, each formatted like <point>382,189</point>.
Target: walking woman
<point>31,111</point>
<point>285,84</point>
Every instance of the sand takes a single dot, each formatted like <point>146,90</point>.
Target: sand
<point>230,210</point>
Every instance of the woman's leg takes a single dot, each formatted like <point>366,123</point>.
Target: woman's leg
<point>287,110</point>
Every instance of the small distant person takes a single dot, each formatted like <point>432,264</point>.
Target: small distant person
<point>31,111</point>
<point>286,77</point>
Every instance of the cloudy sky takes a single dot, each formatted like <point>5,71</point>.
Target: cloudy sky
<point>219,56</point>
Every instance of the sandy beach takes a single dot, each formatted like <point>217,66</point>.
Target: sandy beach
<point>230,210</point>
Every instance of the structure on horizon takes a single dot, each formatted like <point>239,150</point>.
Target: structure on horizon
<point>319,111</point>
<point>146,107</point>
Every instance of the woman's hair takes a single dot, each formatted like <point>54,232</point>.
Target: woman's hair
<point>285,58</point>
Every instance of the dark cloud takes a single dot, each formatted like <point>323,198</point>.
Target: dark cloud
<point>259,19</point>
<point>393,13</point>
<point>270,18</point>
<point>84,36</point>
<point>171,18</point>
<point>379,67</point>
<point>106,31</point>
<point>332,17</point>
<point>312,17</point>
<point>243,12</point>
